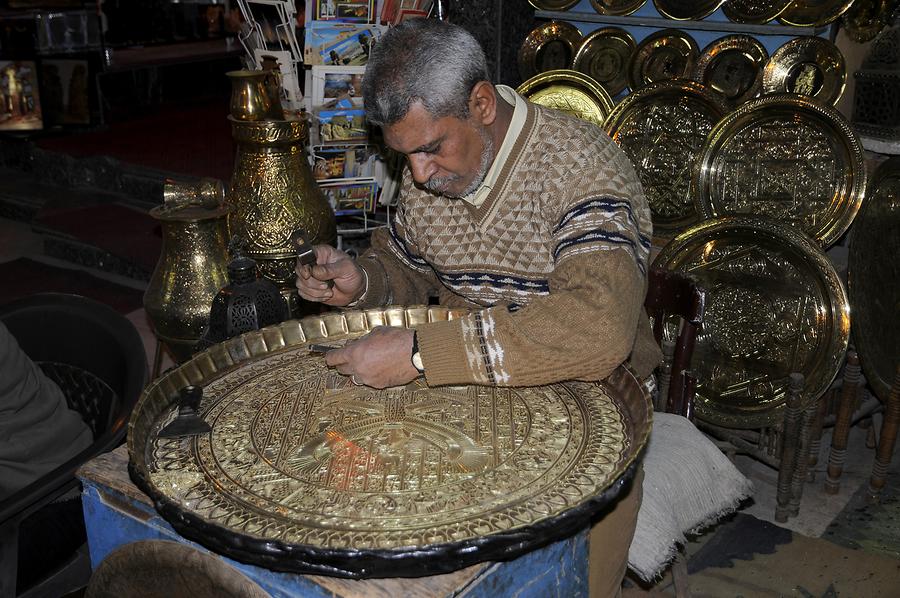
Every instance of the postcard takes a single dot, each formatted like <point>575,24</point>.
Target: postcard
<point>20,104</point>
<point>349,198</point>
<point>342,126</point>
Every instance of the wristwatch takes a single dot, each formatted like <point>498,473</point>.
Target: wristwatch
<point>416,357</point>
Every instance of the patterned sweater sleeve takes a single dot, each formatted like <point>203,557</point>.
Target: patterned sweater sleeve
<point>586,326</point>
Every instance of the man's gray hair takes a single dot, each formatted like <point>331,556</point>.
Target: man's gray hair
<point>422,60</point>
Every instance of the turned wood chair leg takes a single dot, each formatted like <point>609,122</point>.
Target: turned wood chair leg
<point>799,477</point>
<point>790,433</point>
<point>887,440</point>
<point>665,376</point>
<point>842,425</point>
<point>815,442</point>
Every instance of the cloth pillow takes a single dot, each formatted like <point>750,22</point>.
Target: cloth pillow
<point>688,485</point>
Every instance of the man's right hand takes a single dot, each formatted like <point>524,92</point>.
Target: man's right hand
<point>335,279</point>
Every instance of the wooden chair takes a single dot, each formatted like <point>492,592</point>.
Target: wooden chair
<point>671,295</point>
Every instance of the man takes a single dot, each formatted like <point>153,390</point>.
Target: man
<point>533,218</point>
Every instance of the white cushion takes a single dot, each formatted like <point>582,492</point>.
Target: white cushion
<point>688,485</point>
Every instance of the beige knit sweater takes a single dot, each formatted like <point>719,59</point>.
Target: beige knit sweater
<point>554,261</point>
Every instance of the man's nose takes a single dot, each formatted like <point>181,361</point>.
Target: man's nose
<point>422,167</point>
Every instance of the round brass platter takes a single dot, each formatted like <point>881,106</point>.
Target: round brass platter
<point>662,128</point>
<point>553,4</point>
<point>874,272</point>
<point>866,19</point>
<point>617,7</point>
<point>813,13</point>
<point>666,54</point>
<point>811,66</point>
<point>774,305</point>
<point>787,157</point>
<point>755,12</point>
<point>571,92</point>
<point>604,56</point>
<point>687,10</point>
<point>548,47</point>
<point>733,66</point>
<point>304,471</point>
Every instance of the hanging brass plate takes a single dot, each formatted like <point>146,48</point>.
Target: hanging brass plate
<point>787,157</point>
<point>662,128</point>
<point>553,4</point>
<point>810,66</point>
<point>813,13</point>
<point>571,92</point>
<point>304,471</point>
<point>874,272</point>
<point>865,19</point>
<point>755,12</point>
<point>774,305</point>
<point>617,7</point>
<point>666,54</point>
<point>733,66</point>
<point>548,47</point>
<point>687,10</point>
<point>604,56</point>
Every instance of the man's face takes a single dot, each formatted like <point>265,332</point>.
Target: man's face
<point>447,155</point>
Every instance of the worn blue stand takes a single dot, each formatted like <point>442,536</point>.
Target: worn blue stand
<point>117,513</point>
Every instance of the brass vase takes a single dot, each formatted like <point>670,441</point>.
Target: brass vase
<point>273,193</point>
<point>191,269</point>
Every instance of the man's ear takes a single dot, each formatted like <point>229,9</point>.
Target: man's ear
<point>483,103</point>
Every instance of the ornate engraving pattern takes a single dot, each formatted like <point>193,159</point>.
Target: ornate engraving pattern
<point>299,454</point>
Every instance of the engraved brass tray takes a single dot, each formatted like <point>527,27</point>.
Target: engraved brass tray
<point>571,92</point>
<point>604,56</point>
<point>666,54</point>
<point>304,471</point>
<point>814,13</point>
<point>774,305</point>
<point>874,272</point>
<point>733,66</point>
<point>662,128</point>
<point>686,10</point>
<point>787,157</point>
<point>755,12</point>
<point>809,65</point>
<point>548,47</point>
<point>617,7</point>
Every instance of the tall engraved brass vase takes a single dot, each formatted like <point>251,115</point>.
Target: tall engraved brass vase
<point>272,194</point>
<point>191,269</point>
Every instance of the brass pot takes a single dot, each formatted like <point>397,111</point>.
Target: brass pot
<point>273,193</point>
<point>191,269</point>
<point>250,95</point>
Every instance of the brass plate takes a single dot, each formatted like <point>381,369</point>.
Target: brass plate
<point>553,4</point>
<point>774,305</point>
<point>687,10</point>
<point>755,12</point>
<point>813,13</point>
<point>865,19</point>
<point>733,66</point>
<point>617,7</point>
<point>810,66</point>
<point>874,272</point>
<point>662,128</point>
<point>787,157</point>
<point>666,54</point>
<point>304,471</point>
<point>548,47</point>
<point>571,92</point>
<point>604,56</point>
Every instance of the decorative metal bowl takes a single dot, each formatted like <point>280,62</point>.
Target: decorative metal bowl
<point>808,65</point>
<point>666,54</point>
<point>548,47</point>
<point>571,92</point>
<point>304,471</point>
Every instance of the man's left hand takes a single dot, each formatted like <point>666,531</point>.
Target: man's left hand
<point>380,359</point>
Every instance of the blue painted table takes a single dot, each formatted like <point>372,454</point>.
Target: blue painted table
<point>117,513</point>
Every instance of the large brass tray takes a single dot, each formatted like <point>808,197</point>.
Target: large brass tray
<point>666,54</point>
<point>617,7</point>
<point>571,92</point>
<point>685,10</point>
<point>662,128</point>
<point>754,12</point>
<point>733,66</point>
<point>774,305</point>
<point>604,56</point>
<point>548,47</point>
<point>304,471</point>
<point>874,272</point>
<point>787,157</point>
<point>807,65</point>
<point>814,13</point>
